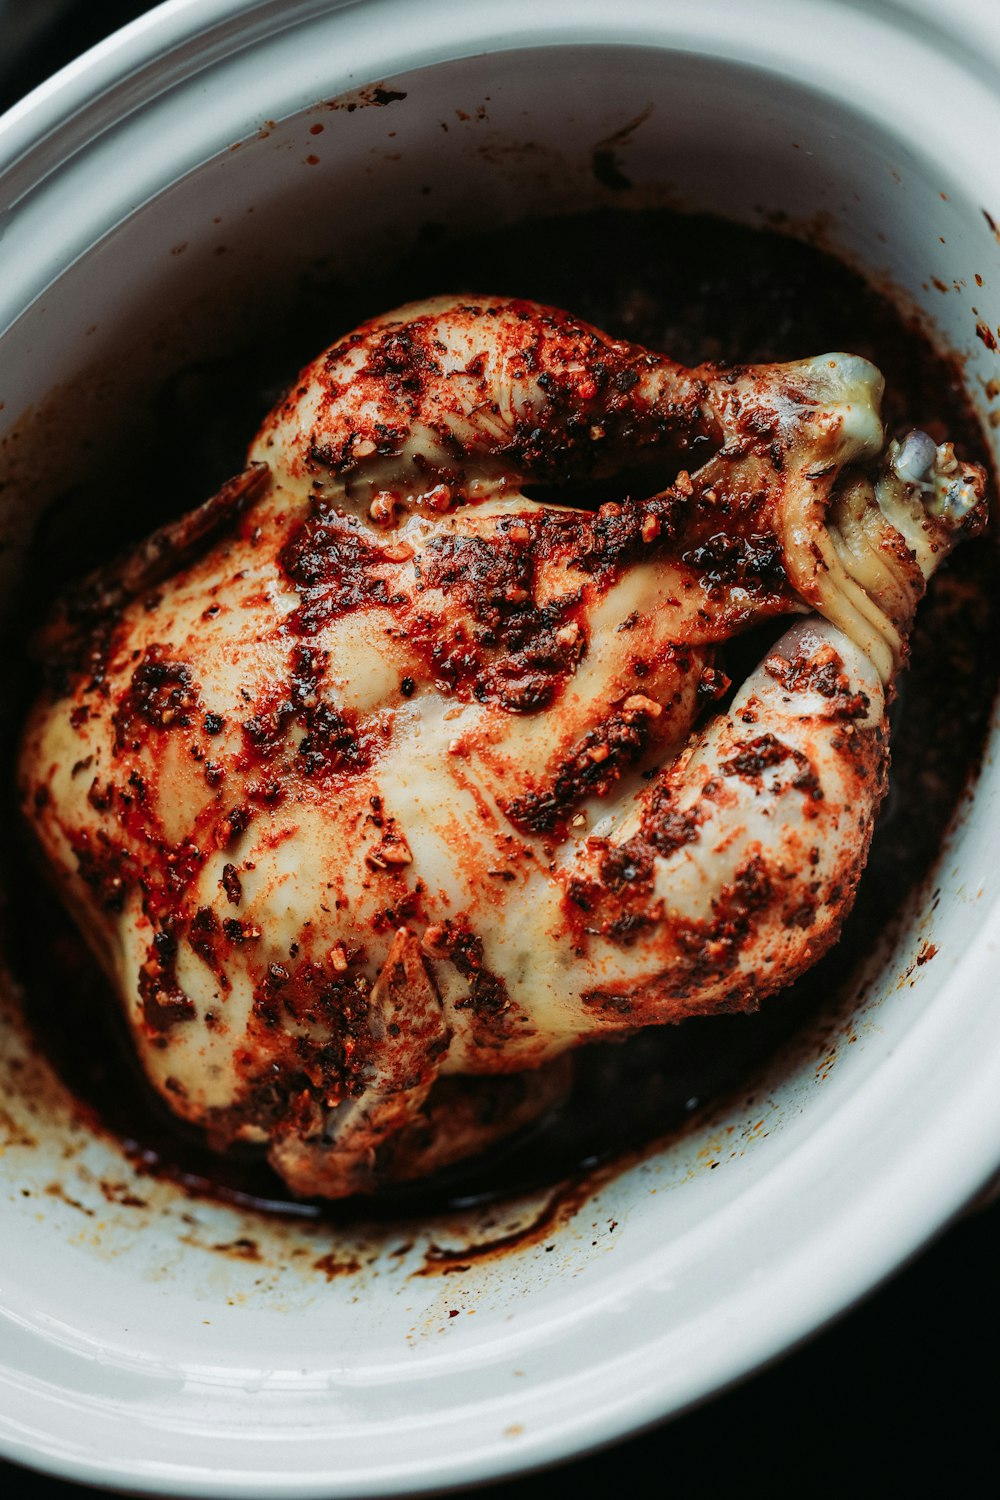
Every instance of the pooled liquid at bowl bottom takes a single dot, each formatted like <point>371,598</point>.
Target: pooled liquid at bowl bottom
<point>696,288</point>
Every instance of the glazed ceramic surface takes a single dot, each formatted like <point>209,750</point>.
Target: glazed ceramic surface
<point>171,1345</point>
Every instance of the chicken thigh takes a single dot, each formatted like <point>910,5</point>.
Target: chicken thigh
<point>381,772</point>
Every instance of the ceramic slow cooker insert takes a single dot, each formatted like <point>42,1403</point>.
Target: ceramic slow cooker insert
<point>156,194</point>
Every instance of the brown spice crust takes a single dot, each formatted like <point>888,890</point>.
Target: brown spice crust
<point>587,380</point>
<point>596,762</point>
<point>307,1050</point>
<point>821,672</point>
<point>161,695</point>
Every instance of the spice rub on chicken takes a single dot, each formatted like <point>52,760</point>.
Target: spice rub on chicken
<point>377,783</point>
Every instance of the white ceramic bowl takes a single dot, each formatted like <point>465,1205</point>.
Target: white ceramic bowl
<point>132,1353</point>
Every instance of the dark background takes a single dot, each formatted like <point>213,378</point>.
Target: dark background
<point>902,1395</point>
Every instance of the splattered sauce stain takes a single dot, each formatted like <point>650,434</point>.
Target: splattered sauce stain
<point>333,1265</point>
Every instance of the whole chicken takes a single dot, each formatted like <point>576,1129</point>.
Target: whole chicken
<point>382,772</point>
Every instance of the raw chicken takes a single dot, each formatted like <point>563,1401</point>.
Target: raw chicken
<point>380,773</point>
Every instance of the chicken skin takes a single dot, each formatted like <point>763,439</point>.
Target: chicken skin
<point>377,783</point>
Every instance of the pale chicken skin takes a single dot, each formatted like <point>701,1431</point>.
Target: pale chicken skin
<point>379,775</point>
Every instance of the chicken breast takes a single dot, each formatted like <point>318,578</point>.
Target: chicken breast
<point>383,772</point>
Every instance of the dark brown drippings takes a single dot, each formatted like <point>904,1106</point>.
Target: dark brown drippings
<point>699,290</point>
